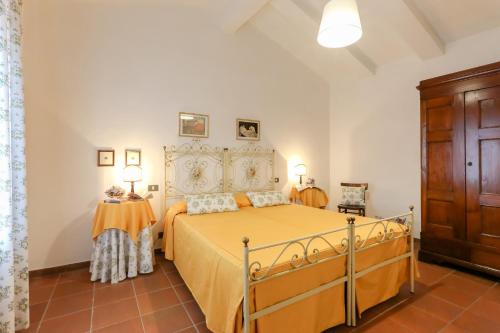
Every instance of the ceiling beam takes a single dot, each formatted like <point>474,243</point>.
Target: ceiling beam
<point>293,12</point>
<point>240,12</point>
<point>414,28</point>
<point>362,58</point>
<point>278,28</point>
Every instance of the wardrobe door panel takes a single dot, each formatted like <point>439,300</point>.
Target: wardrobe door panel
<point>483,166</point>
<point>443,183</point>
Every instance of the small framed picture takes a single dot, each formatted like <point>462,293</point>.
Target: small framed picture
<point>132,157</point>
<point>247,129</point>
<point>105,157</point>
<point>193,125</point>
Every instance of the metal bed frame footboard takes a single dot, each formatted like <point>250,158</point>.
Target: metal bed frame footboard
<point>308,257</point>
<point>381,231</point>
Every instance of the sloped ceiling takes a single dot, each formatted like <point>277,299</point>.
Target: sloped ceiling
<point>392,29</point>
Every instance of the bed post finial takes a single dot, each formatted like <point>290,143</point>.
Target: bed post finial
<point>245,241</point>
<point>351,219</point>
<point>411,208</point>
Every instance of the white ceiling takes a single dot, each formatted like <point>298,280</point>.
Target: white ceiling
<point>392,29</point>
<point>456,19</point>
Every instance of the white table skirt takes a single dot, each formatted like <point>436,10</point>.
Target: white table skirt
<point>115,256</point>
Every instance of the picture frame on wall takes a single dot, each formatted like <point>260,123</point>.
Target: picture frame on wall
<point>105,157</point>
<point>132,157</point>
<point>193,125</point>
<point>248,129</point>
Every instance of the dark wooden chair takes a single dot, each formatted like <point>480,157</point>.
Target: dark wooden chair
<point>354,209</point>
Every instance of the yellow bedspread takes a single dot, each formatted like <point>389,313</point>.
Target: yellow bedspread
<point>208,254</point>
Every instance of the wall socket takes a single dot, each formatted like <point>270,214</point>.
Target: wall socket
<point>153,188</point>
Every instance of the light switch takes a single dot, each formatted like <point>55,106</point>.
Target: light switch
<point>153,188</point>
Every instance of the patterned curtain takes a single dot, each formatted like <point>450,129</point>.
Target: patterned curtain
<point>14,310</point>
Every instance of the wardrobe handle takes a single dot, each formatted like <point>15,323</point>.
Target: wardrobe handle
<point>469,163</point>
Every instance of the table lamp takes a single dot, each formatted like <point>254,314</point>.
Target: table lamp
<point>300,170</point>
<point>132,174</point>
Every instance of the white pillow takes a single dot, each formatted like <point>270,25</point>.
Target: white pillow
<point>265,199</point>
<point>211,203</point>
<point>353,195</point>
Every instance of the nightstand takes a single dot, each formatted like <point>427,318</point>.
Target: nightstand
<point>122,241</point>
<point>310,196</point>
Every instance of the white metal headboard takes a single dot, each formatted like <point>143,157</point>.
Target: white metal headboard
<point>194,168</point>
<point>248,168</point>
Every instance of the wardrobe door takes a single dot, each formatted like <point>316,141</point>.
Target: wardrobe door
<point>483,168</point>
<point>443,170</point>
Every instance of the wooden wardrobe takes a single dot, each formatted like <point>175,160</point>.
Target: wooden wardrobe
<point>460,137</point>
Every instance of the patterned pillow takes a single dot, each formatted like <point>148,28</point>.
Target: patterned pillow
<point>265,199</point>
<point>353,196</point>
<point>211,203</point>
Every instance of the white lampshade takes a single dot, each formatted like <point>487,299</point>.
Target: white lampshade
<point>340,25</point>
<point>132,173</point>
<point>300,170</point>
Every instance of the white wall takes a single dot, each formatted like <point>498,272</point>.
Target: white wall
<point>116,73</point>
<point>375,124</point>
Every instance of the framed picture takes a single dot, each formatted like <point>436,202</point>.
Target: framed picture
<point>132,157</point>
<point>105,157</point>
<point>247,129</point>
<point>193,125</point>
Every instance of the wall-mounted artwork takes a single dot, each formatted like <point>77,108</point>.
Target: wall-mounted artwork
<point>132,157</point>
<point>105,157</point>
<point>193,125</point>
<point>247,129</point>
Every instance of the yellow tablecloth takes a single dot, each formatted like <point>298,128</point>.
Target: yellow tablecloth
<point>313,197</point>
<point>129,216</point>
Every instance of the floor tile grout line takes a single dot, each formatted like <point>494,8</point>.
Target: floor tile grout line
<point>92,308</point>
<point>161,309</point>
<point>115,301</point>
<point>48,304</point>
<point>466,309</point>
<point>406,300</point>
<point>115,323</point>
<point>182,304</point>
<point>449,302</point>
<point>67,314</point>
<point>185,329</point>
<point>138,309</point>
<point>71,295</point>
<point>469,279</point>
<point>383,313</point>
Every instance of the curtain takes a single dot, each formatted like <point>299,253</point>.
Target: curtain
<point>14,309</point>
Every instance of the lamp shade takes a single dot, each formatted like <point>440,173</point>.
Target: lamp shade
<point>300,170</point>
<point>340,25</point>
<point>132,173</point>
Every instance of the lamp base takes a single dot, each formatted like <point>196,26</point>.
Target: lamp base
<point>132,196</point>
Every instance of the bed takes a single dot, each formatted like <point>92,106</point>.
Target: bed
<point>286,268</point>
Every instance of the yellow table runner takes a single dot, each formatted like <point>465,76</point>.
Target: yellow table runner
<point>129,216</point>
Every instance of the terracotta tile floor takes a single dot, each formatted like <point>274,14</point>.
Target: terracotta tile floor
<point>446,300</point>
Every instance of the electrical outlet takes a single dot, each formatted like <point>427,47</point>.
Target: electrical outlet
<point>277,179</point>
<point>153,188</point>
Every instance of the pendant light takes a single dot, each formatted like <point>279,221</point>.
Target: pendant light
<point>340,25</point>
